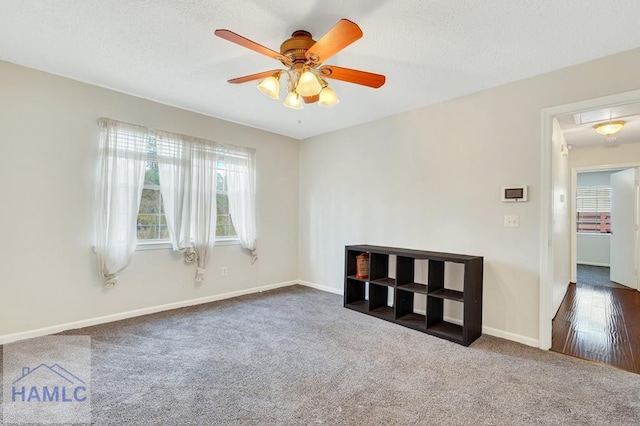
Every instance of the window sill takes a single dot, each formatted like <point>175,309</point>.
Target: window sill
<point>153,245</point>
<point>228,242</point>
<point>593,234</point>
<point>166,245</point>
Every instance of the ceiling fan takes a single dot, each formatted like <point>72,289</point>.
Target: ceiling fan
<point>303,57</point>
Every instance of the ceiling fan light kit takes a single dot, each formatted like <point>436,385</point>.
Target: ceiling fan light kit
<point>293,101</point>
<point>328,98</point>
<point>270,86</point>
<point>303,58</point>
<point>308,84</point>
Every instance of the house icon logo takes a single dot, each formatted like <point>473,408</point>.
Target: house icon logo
<point>48,383</point>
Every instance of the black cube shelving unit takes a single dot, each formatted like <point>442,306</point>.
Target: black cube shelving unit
<point>370,296</point>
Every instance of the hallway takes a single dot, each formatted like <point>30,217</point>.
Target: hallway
<point>599,320</point>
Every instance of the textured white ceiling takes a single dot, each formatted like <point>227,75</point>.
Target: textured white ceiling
<point>430,50</point>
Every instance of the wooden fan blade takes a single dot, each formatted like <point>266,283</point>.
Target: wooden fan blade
<point>337,38</point>
<point>245,42</point>
<point>353,76</point>
<point>251,77</point>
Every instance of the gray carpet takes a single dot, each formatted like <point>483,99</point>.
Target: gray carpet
<point>596,275</point>
<point>295,356</point>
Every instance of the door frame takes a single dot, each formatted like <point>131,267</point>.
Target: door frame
<point>546,241</point>
<point>573,225</point>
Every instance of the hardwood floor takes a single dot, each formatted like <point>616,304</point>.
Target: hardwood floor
<point>599,323</point>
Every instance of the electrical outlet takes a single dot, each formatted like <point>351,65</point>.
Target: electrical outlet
<point>224,271</point>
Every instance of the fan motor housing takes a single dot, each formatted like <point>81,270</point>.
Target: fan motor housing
<point>295,47</point>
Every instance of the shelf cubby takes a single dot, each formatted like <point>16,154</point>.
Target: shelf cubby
<point>355,292</point>
<point>405,310</point>
<point>379,296</point>
<point>405,275</point>
<point>447,330</point>
<point>379,270</point>
<point>397,293</point>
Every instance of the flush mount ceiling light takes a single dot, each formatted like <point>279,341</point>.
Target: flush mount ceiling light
<point>303,57</point>
<point>609,128</point>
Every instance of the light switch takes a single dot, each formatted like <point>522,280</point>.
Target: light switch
<point>511,221</point>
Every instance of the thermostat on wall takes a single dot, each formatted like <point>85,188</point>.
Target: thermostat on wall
<point>514,193</point>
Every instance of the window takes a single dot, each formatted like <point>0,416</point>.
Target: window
<point>224,224</point>
<point>593,209</point>
<point>152,223</point>
<point>150,181</point>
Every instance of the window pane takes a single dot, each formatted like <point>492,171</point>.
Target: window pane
<point>151,174</point>
<point>148,225</point>
<point>150,201</point>
<point>220,184</point>
<point>222,226</point>
<point>222,201</point>
<point>593,206</point>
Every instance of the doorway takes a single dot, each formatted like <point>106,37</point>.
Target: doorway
<point>598,319</point>
<point>604,221</point>
<point>555,269</point>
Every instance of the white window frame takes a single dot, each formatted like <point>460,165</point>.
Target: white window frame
<point>601,196</point>
<point>162,244</point>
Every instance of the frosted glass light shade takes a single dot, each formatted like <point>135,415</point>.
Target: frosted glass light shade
<point>293,101</point>
<point>328,98</point>
<point>308,84</point>
<point>270,86</point>
<point>609,128</point>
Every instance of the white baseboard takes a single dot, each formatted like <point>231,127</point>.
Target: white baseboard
<point>500,333</point>
<point>8,338</point>
<point>328,289</point>
<point>594,264</point>
<point>485,330</point>
<point>529,341</point>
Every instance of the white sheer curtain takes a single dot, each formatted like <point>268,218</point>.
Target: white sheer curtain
<point>174,168</point>
<point>204,163</point>
<point>241,190</point>
<point>120,175</point>
<point>188,172</point>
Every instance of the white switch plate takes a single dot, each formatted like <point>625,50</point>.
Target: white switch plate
<point>511,221</point>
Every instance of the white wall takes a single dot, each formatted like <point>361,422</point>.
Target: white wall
<point>431,178</point>
<point>48,152</point>
<point>601,156</point>
<point>593,249</point>
<point>601,178</point>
